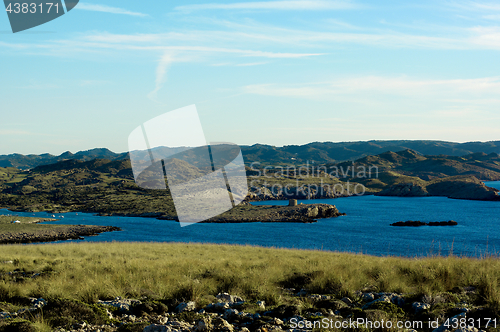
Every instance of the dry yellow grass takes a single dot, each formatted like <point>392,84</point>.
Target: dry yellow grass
<point>91,271</point>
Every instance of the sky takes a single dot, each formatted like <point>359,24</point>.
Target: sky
<point>270,72</point>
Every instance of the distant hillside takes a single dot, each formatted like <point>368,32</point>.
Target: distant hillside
<point>480,165</point>
<point>317,152</point>
<point>31,161</point>
<point>329,152</point>
<point>108,187</point>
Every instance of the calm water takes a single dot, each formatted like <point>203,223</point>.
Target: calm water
<point>364,229</point>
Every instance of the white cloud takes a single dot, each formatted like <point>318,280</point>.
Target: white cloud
<point>107,9</point>
<point>161,73</point>
<point>492,17</point>
<point>275,5</point>
<point>476,90</point>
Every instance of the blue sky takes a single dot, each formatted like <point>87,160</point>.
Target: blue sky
<point>272,72</point>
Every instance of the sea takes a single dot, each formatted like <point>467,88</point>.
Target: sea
<point>365,228</point>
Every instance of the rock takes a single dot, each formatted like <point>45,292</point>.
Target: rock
<point>204,325</point>
<point>225,297</point>
<point>312,212</point>
<point>123,305</point>
<point>368,297</point>
<point>443,223</point>
<point>347,301</point>
<point>162,320</point>
<point>412,223</point>
<point>419,307</point>
<point>38,303</point>
<point>277,321</point>
<point>5,315</point>
<point>303,292</point>
<point>218,307</point>
<point>157,328</point>
<point>229,314</point>
<point>261,305</point>
<point>383,298</point>
<point>317,297</point>
<point>398,300</point>
<point>189,306</point>
<point>221,325</point>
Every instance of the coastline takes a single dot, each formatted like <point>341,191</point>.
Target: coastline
<point>31,230</point>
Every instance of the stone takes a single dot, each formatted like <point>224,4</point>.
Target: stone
<point>157,328</point>
<point>346,300</point>
<point>398,300</point>
<point>383,298</point>
<point>226,297</point>
<point>189,306</point>
<point>204,325</point>
<point>419,307</point>
<point>277,321</point>
<point>222,325</point>
<point>368,297</point>
<point>261,304</point>
<point>229,314</point>
<point>123,305</point>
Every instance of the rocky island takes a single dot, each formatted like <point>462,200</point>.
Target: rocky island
<point>416,223</point>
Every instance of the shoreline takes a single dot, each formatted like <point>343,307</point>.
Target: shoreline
<point>67,233</point>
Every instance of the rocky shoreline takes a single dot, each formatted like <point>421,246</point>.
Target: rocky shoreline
<point>68,233</point>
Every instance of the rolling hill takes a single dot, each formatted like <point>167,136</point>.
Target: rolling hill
<point>317,152</point>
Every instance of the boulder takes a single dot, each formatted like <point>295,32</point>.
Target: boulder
<point>419,307</point>
<point>189,306</point>
<point>222,325</point>
<point>226,297</point>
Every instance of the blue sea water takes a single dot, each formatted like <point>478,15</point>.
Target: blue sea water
<point>365,229</point>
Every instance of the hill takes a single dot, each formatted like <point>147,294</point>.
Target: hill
<point>317,152</point>
<point>108,187</point>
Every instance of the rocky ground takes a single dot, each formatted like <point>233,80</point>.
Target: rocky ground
<point>49,235</point>
<point>451,311</point>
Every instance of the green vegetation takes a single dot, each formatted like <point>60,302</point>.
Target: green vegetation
<point>27,224</point>
<point>73,277</point>
<point>108,187</point>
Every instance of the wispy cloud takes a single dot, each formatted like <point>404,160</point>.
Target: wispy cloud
<point>108,9</point>
<point>161,73</point>
<point>275,5</point>
<point>479,89</point>
<point>11,132</point>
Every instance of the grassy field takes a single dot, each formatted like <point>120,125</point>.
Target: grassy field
<point>171,273</point>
